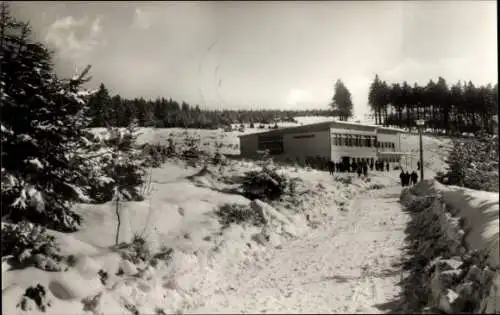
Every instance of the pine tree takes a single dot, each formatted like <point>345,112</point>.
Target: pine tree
<point>99,107</point>
<point>341,101</point>
<point>42,134</point>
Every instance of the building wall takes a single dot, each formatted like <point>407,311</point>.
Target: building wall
<point>391,137</point>
<point>301,145</point>
<point>249,146</point>
<point>339,151</point>
<point>319,140</point>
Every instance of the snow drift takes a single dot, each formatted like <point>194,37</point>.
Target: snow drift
<point>454,248</point>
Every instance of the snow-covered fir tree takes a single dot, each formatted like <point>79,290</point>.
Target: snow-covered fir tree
<point>125,165</point>
<point>44,132</point>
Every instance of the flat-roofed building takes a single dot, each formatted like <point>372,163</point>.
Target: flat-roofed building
<point>334,140</point>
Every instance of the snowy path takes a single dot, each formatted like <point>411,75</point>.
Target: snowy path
<point>346,266</point>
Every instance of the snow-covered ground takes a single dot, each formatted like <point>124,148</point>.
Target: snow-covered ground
<point>335,255</point>
<point>346,266</point>
<point>436,150</point>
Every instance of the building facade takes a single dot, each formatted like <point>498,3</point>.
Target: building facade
<point>333,141</point>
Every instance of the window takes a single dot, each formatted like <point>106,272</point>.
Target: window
<point>304,136</point>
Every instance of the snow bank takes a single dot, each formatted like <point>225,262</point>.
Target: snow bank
<point>454,237</point>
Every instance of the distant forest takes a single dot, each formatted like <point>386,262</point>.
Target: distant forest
<point>463,107</point>
<point>106,110</point>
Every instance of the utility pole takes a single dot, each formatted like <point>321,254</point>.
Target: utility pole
<point>420,124</point>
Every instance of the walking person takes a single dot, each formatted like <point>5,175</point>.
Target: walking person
<point>418,165</point>
<point>414,178</point>
<point>330,167</point>
<point>371,166</point>
<point>365,170</point>
<point>402,178</point>
<point>407,178</point>
<point>359,171</point>
<point>388,167</point>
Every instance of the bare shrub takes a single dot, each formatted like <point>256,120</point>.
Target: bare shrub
<point>155,154</point>
<point>236,213</point>
<point>266,184</point>
<point>345,180</point>
<point>36,294</point>
<point>376,186</point>
<point>137,251</point>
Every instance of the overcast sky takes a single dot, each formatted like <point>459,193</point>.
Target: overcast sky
<point>267,54</point>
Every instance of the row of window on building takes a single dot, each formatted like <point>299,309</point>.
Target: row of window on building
<point>275,143</point>
<point>360,141</point>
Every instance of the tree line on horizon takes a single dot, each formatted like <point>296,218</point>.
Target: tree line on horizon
<point>463,107</point>
<point>106,110</point>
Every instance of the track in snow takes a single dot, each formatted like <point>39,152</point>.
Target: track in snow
<point>346,266</point>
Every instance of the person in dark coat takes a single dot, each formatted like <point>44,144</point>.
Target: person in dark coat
<point>402,178</point>
<point>388,167</point>
<point>371,166</point>
<point>418,165</point>
<point>414,178</point>
<point>359,171</point>
<point>407,178</point>
<point>365,169</point>
<point>330,167</point>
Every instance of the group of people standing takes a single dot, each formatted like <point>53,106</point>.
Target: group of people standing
<point>408,179</point>
<point>358,167</point>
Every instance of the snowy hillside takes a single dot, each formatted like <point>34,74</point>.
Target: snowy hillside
<point>177,220</point>
<point>322,254</point>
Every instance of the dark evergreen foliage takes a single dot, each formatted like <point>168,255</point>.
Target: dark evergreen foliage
<point>43,133</point>
<point>341,101</point>
<point>462,108</point>
<point>167,113</point>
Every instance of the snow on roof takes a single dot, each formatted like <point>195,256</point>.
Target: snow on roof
<point>325,124</point>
